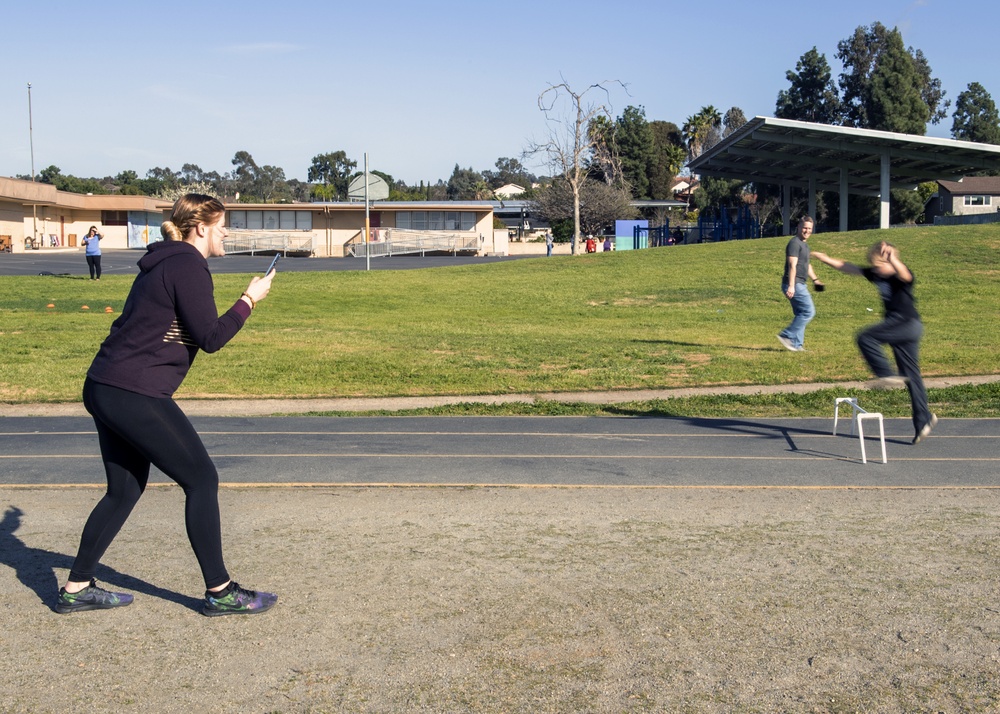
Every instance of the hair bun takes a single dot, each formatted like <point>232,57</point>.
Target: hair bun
<point>170,231</point>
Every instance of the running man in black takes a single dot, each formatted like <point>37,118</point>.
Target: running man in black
<point>900,328</point>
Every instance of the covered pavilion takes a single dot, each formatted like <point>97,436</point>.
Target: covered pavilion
<point>820,157</point>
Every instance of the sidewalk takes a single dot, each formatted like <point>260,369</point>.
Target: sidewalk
<point>266,407</point>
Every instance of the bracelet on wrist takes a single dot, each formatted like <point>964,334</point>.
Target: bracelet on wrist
<point>253,303</point>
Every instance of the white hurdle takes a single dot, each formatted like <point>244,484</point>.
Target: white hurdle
<point>858,415</point>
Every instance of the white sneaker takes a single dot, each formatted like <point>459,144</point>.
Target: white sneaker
<point>894,382</point>
<point>925,430</point>
<point>787,344</point>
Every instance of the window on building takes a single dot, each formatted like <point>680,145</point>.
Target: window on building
<point>436,220</point>
<point>978,200</point>
<point>114,218</point>
<point>271,220</point>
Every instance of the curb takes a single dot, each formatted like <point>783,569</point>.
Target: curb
<point>269,407</point>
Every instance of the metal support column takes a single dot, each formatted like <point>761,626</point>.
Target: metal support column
<point>786,210</point>
<point>843,199</point>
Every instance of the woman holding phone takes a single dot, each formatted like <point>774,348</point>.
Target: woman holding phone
<point>169,316</point>
<point>92,242</point>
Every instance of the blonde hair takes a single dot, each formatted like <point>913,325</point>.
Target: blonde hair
<point>189,210</point>
<point>875,252</point>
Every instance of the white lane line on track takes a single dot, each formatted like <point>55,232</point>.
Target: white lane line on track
<point>634,457</point>
<point>538,486</point>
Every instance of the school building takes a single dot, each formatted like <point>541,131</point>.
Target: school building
<point>36,216</point>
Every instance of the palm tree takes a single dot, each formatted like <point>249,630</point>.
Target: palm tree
<point>698,129</point>
<point>481,191</point>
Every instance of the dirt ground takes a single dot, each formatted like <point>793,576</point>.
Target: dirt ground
<point>439,599</point>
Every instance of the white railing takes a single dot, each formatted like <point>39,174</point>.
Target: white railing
<point>252,242</point>
<point>401,241</point>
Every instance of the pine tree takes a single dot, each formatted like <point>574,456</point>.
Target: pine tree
<point>634,139</point>
<point>976,117</point>
<point>868,106</point>
<point>812,95</point>
<point>894,99</point>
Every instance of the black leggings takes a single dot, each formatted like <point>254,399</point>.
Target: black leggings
<point>94,263</point>
<point>134,432</point>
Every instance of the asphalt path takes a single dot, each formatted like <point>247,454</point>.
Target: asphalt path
<point>70,263</point>
<point>534,451</point>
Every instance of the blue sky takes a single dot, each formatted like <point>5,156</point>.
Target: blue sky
<point>420,86</point>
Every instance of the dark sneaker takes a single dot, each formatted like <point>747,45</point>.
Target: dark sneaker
<point>925,430</point>
<point>236,600</point>
<point>90,598</point>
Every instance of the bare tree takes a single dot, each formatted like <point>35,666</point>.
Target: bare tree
<point>598,208</point>
<point>569,145</point>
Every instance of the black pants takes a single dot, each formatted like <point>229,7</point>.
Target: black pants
<point>903,336</point>
<point>134,432</point>
<point>94,263</point>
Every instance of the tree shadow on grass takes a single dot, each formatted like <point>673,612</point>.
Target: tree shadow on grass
<point>35,568</point>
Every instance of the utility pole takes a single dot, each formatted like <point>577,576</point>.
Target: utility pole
<point>368,247</point>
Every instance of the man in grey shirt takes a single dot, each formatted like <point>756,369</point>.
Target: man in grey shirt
<point>793,285</point>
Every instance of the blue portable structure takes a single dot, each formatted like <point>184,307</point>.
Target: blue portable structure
<point>631,235</point>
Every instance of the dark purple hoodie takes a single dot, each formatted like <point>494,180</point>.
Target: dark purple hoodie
<point>169,315</point>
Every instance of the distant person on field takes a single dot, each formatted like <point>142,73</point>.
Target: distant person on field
<point>793,285</point>
<point>169,316</point>
<point>92,241</point>
<point>607,243</point>
<point>548,243</point>
<point>900,328</point>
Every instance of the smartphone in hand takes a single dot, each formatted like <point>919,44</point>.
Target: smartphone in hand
<point>273,263</point>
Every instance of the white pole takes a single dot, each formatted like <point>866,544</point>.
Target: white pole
<point>883,213</point>
<point>31,143</point>
<point>368,253</point>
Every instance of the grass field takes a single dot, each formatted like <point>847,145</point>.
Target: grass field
<point>668,317</point>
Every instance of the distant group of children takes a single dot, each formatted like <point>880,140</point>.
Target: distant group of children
<point>591,244</point>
